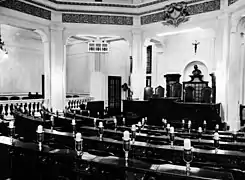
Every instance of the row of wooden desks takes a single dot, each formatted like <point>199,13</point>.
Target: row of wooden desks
<point>147,150</point>
<point>178,140</point>
<point>208,134</point>
<point>115,163</point>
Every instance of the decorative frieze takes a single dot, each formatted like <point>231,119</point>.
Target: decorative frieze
<point>191,10</point>
<point>26,8</point>
<point>97,19</point>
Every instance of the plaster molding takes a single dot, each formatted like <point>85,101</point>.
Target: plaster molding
<point>44,35</point>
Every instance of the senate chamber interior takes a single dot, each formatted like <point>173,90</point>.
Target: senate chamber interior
<point>122,89</point>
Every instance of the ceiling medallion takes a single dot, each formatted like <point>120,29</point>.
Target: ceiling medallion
<point>175,14</point>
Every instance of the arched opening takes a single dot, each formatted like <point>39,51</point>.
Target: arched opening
<point>22,70</point>
<point>190,67</point>
<point>88,72</point>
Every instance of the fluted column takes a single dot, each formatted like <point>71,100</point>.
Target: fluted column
<point>58,68</point>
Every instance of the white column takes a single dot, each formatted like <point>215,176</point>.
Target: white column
<point>137,76</point>
<point>47,69</point>
<point>222,59</point>
<point>234,81</point>
<point>58,68</point>
<point>242,58</point>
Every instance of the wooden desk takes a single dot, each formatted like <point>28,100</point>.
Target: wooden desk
<point>156,109</point>
<point>109,163</point>
<point>144,137</point>
<point>145,149</point>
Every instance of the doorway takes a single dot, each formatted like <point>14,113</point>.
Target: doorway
<point>114,95</point>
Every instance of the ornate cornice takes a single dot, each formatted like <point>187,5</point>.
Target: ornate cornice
<point>41,10</point>
<point>26,8</point>
<point>191,9</point>
<point>116,5</point>
<point>96,19</point>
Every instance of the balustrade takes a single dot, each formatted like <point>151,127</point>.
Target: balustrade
<point>34,106</point>
<point>74,103</point>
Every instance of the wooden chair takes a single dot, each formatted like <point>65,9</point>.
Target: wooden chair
<point>176,90</point>
<point>189,94</point>
<point>159,91</point>
<point>206,94</point>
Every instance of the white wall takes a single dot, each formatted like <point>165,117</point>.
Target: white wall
<point>21,71</point>
<point>81,65</point>
<point>118,63</point>
<point>77,69</point>
<point>178,52</point>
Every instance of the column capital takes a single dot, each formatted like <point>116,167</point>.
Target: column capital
<point>136,31</point>
<point>56,26</point>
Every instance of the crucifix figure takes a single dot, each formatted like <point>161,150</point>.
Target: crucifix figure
<point>195,45</point>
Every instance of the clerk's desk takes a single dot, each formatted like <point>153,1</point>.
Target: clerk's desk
<point>172,110</point>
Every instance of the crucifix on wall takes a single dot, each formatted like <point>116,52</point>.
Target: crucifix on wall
<point>195,46</point>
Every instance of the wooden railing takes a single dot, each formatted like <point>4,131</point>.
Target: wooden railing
<point>35,105</point>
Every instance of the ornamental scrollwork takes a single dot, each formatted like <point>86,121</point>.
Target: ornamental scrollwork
<point>175,14</point>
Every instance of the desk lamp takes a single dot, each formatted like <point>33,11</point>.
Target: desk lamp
<point>126,144</point>
<point>189,126</point>
<point>188,155</point>
<point>172,136</point>
<point>78,144</point>
<point>139,126</point>
<point>73,124</point>
<point>11,129</point>
<point>115,122</point>
<point>216,141</point>
<point>183,124</point>
<point>204,125</point>
<point>40,136</point>
<point>133,129</point>
<point>164,121</point>
<point>143,122</point>
<point>101,130</point>
<point>199,133</point>
<point>217,128</point>
<point>95,120</point>
<point>52,123</point>
<point>123,121</point>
